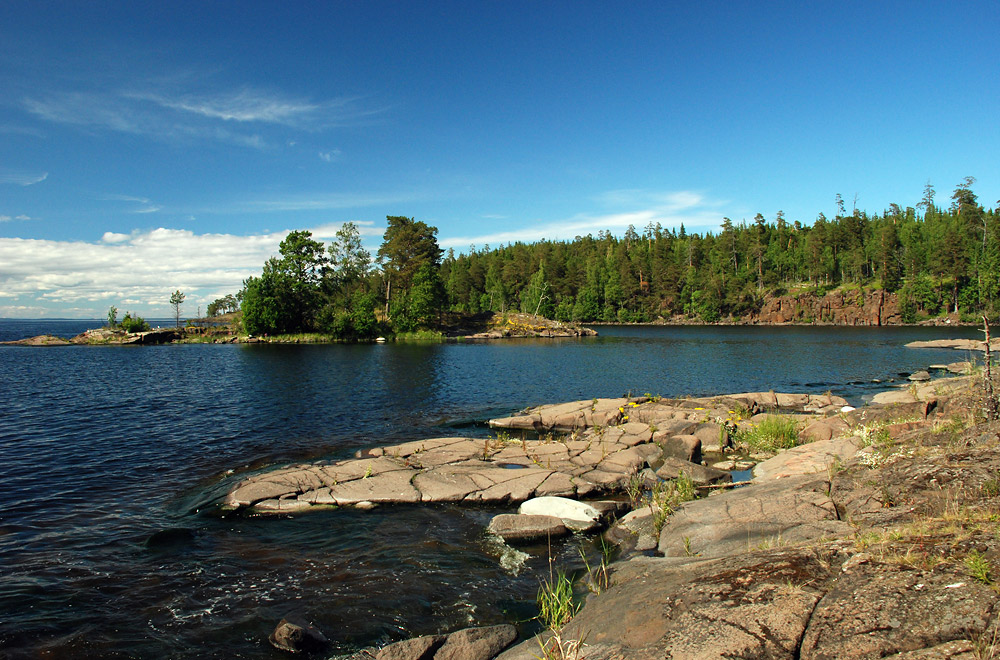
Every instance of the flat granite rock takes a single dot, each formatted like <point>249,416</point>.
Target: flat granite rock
<point>811,458</point>
<point>909,609</point>
<point>754,605</point>
<point>526,527</point>
<point>699,474</point>
<point>770,514</point>
<point>611,440</point>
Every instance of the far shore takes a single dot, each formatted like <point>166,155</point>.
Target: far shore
<point>219,330</point>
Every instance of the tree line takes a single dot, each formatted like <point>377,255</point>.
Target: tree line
<point>936,259</point>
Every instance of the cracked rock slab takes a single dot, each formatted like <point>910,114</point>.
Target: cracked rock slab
<point>878,610</point>
<point>749,606</point>
<point>766,515</point>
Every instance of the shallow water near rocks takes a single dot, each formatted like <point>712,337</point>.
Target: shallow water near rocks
<point>112,460</point>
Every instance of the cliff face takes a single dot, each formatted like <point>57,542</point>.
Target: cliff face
<point>854,307</point>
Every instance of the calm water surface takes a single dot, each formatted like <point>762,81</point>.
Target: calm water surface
<point>112,460</point>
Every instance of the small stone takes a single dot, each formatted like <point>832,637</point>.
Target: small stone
<point>855,561</point>
<point>525,528</point>
<point>296,636</point>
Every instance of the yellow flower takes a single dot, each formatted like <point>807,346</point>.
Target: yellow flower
<point>699,408</point>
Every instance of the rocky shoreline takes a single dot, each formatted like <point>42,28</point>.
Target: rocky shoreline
<point>480,327</point>
<point>876,537</point>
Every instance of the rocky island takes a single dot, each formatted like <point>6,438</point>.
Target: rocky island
<point>227,330</point>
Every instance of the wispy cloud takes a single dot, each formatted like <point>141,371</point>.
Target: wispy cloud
<point>327,201</point>
<point>124,198</point>
<point>147,205</point>
<point>9,218</point>
<point>138,269</point>
<point>171,113</point>
<point>638,208</point>
<point>256,105</point>
<point>22,178</point>
<point>329,156</point>
<point>17,129</point>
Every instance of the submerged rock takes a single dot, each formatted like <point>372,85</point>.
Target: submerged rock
<point>297,636</point>
<point>514,527</point>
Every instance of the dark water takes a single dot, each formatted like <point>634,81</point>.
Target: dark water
<point>112,458</point>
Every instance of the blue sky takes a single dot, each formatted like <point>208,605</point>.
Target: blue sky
<point>146,148</point>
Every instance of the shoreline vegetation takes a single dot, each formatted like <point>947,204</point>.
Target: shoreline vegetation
<point>228,328</point>
<point>863,533</point>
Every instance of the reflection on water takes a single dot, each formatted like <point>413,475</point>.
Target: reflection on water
<point>111,458</point>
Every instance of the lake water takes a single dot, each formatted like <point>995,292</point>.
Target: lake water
<point>112,460</point>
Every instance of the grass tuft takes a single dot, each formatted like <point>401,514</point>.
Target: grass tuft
<point>772,434</point>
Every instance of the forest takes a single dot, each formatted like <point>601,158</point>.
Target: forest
<point>936,259</point>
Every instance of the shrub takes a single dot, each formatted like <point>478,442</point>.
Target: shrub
<point>134,323</point>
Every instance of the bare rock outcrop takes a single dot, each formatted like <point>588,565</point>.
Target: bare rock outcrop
<point>853,307</point>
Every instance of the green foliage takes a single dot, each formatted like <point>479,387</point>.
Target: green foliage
<point>665,496</point>
<point>771,434</point>
<point>937,260</point>
<point>112,317</point>
<point>355,322</point>
<point>224,305</point>
<point>176,300</point>
<point>555,602</point>
<point>979,567</point>
<point>268,306</point>
<point>536,297</point>
<point>286,296</point>
<point>133,323</point>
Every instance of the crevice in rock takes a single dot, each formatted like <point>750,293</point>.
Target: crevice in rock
<point>797,651</point>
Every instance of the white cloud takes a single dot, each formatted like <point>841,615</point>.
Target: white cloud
<point>246,105</point>
<point>22,178</point>
<point>637,208</point>
<point>125,198</point>
<point>169,113</point>
<point>329,156</point>
<point>326,202</point>
<point>7,218</point>
<point>138,270</point>
<point>147,204</point>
